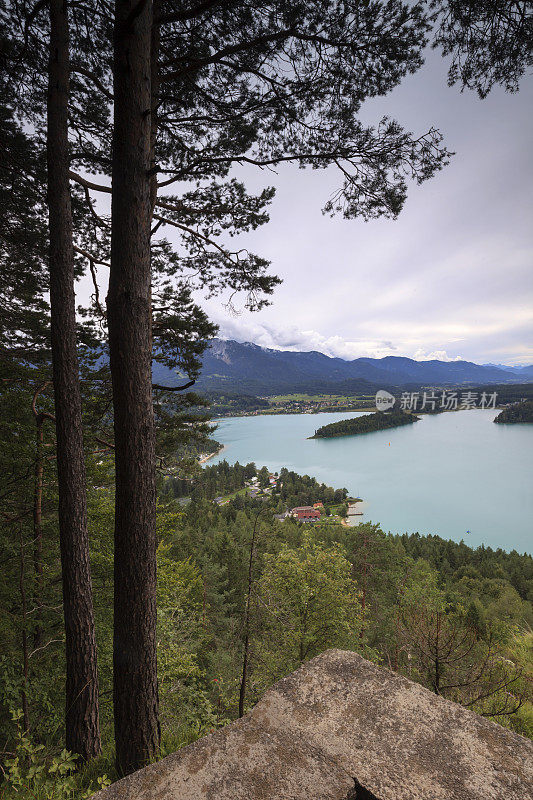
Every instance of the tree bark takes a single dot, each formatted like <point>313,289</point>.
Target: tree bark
<point>154,90</point>
<point>38,531</point>
<point>135,691</point>
<point>81,717</point>
<point>25,655</point>
<point>38,474</point>
<point>246,652</point>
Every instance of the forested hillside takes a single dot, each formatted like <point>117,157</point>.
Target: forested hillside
<point>518,412</point>
<point>222,479</point>
<point>310,588</point>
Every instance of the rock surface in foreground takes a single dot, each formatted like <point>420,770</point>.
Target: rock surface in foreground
<point>341,728</point>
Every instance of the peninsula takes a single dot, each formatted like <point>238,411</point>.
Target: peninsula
<point>378,421</point>
<point>518,412</point>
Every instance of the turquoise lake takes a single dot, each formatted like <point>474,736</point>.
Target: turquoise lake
<point>456,474</point>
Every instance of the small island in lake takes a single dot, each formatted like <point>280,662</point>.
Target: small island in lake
<point>518,412</point>
<point>378,421</point>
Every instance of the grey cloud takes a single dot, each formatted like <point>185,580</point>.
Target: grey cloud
<point>454,274</point>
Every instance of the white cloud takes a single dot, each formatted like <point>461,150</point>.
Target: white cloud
<point>291,337</point>
<point>438,355</point>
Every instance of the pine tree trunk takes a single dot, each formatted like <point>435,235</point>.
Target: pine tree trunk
<point>25,655</point>
<point>130,340</point>
<point>81,720</point>
<point>38,477</point>
<point>247,614</point>
<point>38,532</point>
<point>154,89</point>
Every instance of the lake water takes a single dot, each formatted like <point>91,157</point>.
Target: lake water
<point>456,474</point>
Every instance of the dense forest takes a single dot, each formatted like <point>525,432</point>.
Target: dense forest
<point>379,421</point>
<point>518,412</point>
<point>310,588</point>
<point>506,392</point>
<point>232,403</point>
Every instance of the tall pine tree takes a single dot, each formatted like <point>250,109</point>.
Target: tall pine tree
<point>81,711</point>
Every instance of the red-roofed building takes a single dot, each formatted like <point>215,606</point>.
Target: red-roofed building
<point>305,513</point>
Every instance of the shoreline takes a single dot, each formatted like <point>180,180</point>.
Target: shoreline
<point>275,412</point>
<point>371,410</point>
<point>209,456</point>
<point>356,517</point>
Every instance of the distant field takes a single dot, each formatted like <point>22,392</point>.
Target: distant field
<point>317,398</point>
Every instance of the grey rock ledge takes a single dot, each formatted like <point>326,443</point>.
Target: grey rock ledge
<point>342,728</point>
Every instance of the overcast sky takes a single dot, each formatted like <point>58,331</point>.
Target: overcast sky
<point>451,278</point>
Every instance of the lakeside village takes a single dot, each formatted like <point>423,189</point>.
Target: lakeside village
<point>318,512</point>
<point>422,400</point>
<point>235,405</point>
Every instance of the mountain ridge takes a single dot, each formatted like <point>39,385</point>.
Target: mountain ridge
<point>245,366</point>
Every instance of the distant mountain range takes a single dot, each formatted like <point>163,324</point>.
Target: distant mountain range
<point>250,369</point>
